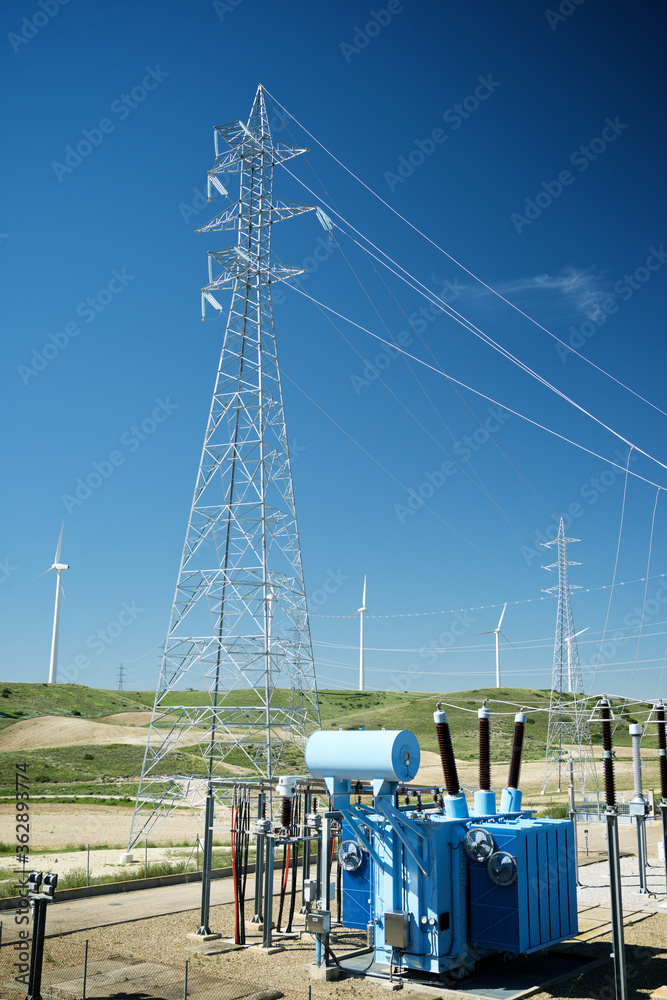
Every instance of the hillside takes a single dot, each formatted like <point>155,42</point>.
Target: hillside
<point>77,739</point>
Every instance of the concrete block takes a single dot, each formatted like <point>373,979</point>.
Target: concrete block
<point>200,938</point>
<point>323,973</point>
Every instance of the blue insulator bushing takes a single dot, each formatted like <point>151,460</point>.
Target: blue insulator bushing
<point>456,806</point>
<point>485,802</point>
<point>393,755</point>
<point>510,800</point>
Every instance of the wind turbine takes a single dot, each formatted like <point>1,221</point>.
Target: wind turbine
<point>569,639</point>
<point>361,612</point>
<point>59,568</point>
<point>496,631</point>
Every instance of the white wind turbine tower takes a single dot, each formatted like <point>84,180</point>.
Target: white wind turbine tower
<point>496,631</point>
<point>59,568</point>
<point>363,610</point>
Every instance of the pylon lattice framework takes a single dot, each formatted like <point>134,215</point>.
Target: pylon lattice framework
<point>569,731</point>
<point>239,618</point>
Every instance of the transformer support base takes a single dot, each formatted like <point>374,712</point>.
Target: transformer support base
<point>323,973</point>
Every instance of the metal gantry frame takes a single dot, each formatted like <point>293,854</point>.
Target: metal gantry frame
<point>239,620</point>
<point>569,731</point>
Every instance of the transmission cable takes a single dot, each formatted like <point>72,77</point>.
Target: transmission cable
<point>483,395</point>
<point>462,266</point>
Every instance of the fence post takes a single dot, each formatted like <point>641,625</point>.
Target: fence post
<point>88,866</point>
<point>146,858</point>
<point>185,985</point>
<point>85,970</point>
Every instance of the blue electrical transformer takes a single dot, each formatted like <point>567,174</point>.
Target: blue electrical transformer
<point>442,888</point>
<point>357,881</point>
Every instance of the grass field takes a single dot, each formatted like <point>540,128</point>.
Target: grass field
<point>108,768</point>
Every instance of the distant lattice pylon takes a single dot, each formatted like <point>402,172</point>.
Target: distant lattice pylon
<point>569,732</point>
<point>239,621</point>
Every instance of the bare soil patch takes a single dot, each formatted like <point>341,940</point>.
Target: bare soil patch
<point>58,825</point>
<point>128,718</point>
<point>59,731</point>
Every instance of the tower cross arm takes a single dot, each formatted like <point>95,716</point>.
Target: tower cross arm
<point>282,209</point>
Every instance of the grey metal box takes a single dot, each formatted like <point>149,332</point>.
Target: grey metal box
<point>318,922</point>
<point>397,929</point>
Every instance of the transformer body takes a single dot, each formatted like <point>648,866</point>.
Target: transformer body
<point>442,888</point>
<point>456,912</point>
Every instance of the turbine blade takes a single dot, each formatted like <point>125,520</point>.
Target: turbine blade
<point>44,573</point>
<point>502,615</point>
<point>378,620</point>
<point>492,631</point>
<point>363,599</point>
<point>353,615</point>
<point>60,542</point>
<point>507,640</point>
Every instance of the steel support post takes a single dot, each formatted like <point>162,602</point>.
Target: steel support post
<point>268,892</point>
<point>641,853</point>
<point>663,816</point>
<point>305,861</point>
<point>37,952</point>
<point>322,941</point>
<point>638,804</point>
<point>206,864</point>
<point>616,905</point>
<point>573,817</point>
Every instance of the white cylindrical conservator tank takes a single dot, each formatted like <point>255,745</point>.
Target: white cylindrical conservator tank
<point>360,755</point>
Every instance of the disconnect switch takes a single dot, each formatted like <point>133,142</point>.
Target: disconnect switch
<point>397,929</point>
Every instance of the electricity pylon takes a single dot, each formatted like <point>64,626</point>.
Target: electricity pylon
<point>569,733</point>
<point>239,620</point>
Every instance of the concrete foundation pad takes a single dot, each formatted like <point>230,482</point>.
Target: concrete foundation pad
<point>273,950</point>
<point>323,973</point>
<point>203,937</point>
<point>215,947</point>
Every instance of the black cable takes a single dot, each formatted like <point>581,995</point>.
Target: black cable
<point>296,816</point>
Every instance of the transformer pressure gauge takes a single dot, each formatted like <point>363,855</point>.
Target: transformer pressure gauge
<point>350,855</point>
<point>478,844</point>
<point>502,868</point>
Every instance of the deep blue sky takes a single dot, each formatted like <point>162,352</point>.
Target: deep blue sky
<point>372,87</point>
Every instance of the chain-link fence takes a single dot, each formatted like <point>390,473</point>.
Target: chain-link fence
<point>73,969</point>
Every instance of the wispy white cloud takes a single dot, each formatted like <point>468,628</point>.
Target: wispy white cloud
<point>580,290</point>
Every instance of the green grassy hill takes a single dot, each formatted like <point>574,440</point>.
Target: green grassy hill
<point>114,768</point>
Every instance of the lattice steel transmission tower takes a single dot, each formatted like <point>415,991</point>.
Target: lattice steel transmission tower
<point>239,620</point>
<point>569,732</point>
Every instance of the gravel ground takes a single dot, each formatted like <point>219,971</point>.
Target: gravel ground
<point>594,889</point>
<point>164,940</point>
